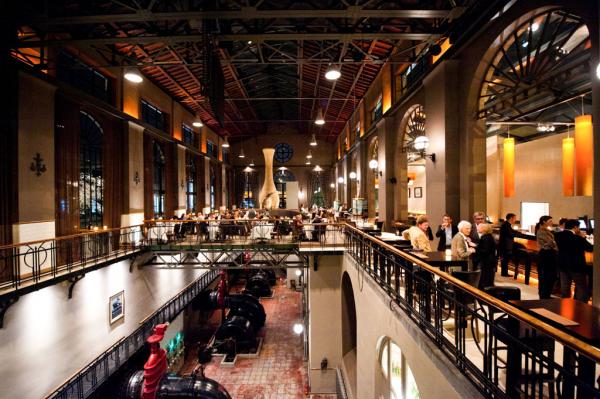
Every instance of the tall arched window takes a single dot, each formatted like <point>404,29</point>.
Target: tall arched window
<point>91,182</point>
<point>159,180</point>
<point>213,188</point>
<point>281,177</point>
<point>191,175</point>
<point>399,379</point>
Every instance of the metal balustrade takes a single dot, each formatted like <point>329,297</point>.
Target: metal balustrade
<point>503,351</point>
<point>83,383</point>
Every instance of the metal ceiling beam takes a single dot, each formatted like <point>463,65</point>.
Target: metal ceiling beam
<point>257,37</point>
<point>353,12</point>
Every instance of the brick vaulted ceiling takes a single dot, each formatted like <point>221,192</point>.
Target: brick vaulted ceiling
<point>273,53</point>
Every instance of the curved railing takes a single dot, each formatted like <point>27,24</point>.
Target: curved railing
<point>503,351</point>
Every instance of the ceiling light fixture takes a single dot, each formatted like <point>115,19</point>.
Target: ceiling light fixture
<point>197,123</point>
<point>248,169</point>
<point>313,139</point>
<point>307,162</point>
<point>225,143</point>
<point>320,120</point>
<point>309,155</point>
<point>251,162</point>
<point>241,154</point>
<point>318,169</point>
<point>133,77</point>
<point>333,73</point>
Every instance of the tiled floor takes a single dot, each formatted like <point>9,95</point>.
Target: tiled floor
<point>279,372</point>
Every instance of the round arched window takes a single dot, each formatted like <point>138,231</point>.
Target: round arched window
<point>283,152</point>
<point>399,379</point>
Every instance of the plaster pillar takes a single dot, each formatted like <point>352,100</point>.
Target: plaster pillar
<point>206,182</point>
<point>345,187</point>
<point>135,176</point>
<point>386,155</point>
<point>36,188</point>
<point>441,124</point>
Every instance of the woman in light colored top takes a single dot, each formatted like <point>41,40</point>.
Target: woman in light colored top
<point>418,234</point>
<point>460,243</point>
<point>547,257</point>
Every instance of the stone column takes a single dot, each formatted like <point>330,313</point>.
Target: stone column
<point>206,182</point>
<point>386,155</point>
<point>181,182</point>
<point>135,176</point>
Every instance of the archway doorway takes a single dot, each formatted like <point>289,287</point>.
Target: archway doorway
<point>349,330</point>
<point>414,143</point>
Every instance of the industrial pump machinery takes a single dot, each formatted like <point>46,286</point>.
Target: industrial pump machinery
<point>259,283</point>
<point>155,383</point>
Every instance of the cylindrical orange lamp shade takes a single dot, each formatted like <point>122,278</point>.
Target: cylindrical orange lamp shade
<point>568,166</point>
<point>584,155</point>
<point>509,167</point>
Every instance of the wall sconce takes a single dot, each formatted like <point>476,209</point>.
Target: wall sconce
<point>136,178</point>
<point>352,175</point>
<point>420,144</point>
<point>374,166</point>
<point>332,185</point>
<point>341,180</point>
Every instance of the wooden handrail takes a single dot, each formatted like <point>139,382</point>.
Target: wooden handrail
<point>69,237</point>
<point>566,339</point>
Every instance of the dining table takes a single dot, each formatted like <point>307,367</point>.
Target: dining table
<point>576,318</point>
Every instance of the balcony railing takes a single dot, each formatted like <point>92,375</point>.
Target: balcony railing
<point>30,265</point>
<point>503,351</point>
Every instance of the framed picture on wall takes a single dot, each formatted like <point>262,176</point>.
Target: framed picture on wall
<point>418,192</point>
<point>116,307</point>
<point>409,192</point>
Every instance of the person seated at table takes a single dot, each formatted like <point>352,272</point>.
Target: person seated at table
<point>298,228</point>
<point>445,232</point>
<point>572,247</point>
<point>418,234</point>
<point>461,247</point>
<point>506,242</point>
<point>547,264</point>
<point>485,255</point>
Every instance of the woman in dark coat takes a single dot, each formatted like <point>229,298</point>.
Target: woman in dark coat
<point>486,256</point>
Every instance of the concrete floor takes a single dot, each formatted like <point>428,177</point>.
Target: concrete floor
<point>47,338</point>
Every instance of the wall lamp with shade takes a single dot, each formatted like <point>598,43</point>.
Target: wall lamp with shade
<point>421,144</point>
<point>374,166</point>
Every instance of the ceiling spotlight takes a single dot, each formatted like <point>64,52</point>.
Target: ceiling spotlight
<point>251,162</point>
<point>133,77</point>
<point>333,73</point>
<point>352,175</point>
<point>197,123</point>
<point>225,143</point>
<point>320,120</point>
<point>313,139</point>
<point>421,143</point>
<point>241,154</point>
<point>545,127</point>
<point>309,155</point>
<point>298,328</point>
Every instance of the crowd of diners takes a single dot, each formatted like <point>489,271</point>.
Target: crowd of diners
<point>561,258</point>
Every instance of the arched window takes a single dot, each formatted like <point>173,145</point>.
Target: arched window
<point>91,182</point>
<point>191,174</point>
<point>281,177</point>
<point>213,188</point>
<point>399,379</point>
<point>415,127</point>
<point>159,181</point>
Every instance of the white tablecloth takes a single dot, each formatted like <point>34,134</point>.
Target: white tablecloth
<point>213,229</point>
<point>261,231</point>
<point>159,233</point>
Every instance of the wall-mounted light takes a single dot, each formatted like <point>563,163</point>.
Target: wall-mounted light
<point>133,76</point>
<point>341,180</point>
<point>332,185</point>
<point>298,328</point>
<point>421,144</point>
<point>352,175</point>
<point>313,140</point>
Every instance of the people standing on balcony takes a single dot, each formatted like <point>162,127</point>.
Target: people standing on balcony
<point>507,242</point>
<point>485,255</point>
<point>572,247</point>
<point>418,234</point>
<point>478,218</point>
<point>445,232</point>
<point>547,257</point>
<point>461,243</point>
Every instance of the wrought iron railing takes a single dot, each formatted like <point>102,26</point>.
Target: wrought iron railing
<point>30,265</point>
<point>84,382</point>
<point>503,351</point>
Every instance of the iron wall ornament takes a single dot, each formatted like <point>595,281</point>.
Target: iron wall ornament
<point>136,178</point>
<point>37,165</point>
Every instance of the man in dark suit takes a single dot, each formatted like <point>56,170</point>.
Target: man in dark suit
<point>478,218</point>
<point>571,260</point>
<point>445,232</point>
<point>506,242</point>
